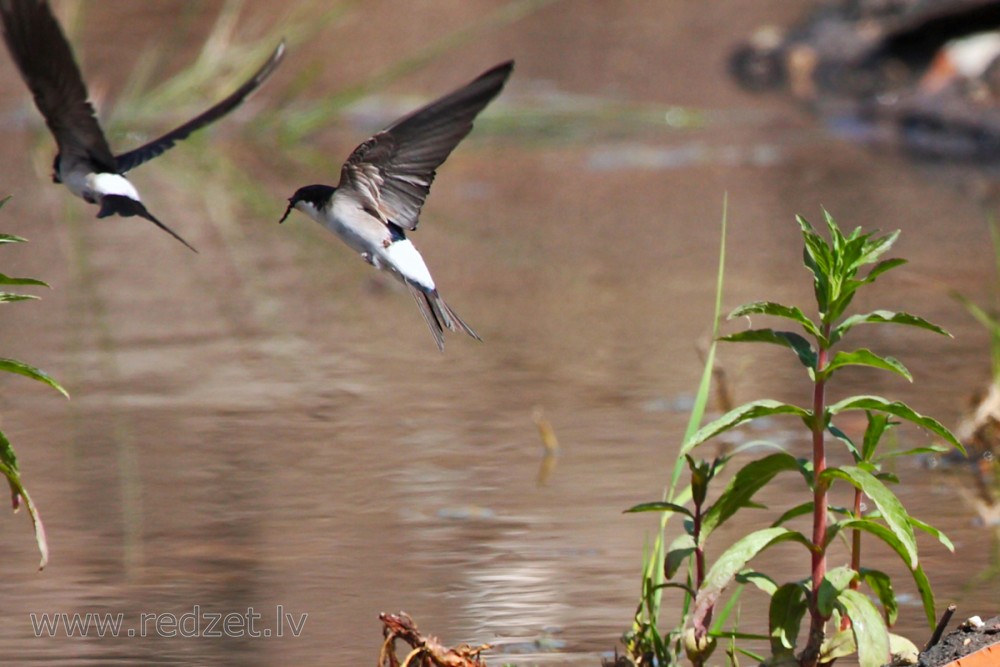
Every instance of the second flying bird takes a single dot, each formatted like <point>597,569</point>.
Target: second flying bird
<point>85,163</point>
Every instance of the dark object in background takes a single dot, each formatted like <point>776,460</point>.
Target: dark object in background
<point>924,73</point>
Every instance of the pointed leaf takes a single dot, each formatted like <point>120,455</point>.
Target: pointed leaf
<point>8,467</point>
<point>889,506</point>
<point>870,632</point>
<point>677,553</point>
<point>844,438</point>
<point>834,582</point>
<point>6,297</point>
<point>10,238</point>
<point>887,536</point>
<point>744,484</point>
<point>764,583</point>
<point>838,645</point>
<point>929,449</point>
<point>21,368</point>
<point>872,250</point>
<point>788,606</point>
<point>660,506</point>
<point>881,585</point>
<point>739,415</point>
<point>882,267</point>
<point>776,310</point>
<point>878,424</point>
<point>797,511</point>
<point>884,317</point>
<point>864,357</point>
<point>8,280</point>
<point>896,409</point>
<point>798,344</point>
<point>732,561</point>
<point>927,528</point>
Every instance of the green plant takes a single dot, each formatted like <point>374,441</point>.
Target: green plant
<point>989,320</point>
<point>644,641</point>
<point>8,460</point>
<point>829,597</point>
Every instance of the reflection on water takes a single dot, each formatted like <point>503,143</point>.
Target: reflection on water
<point>267,424</point>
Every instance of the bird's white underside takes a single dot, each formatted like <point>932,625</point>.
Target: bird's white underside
<point>93,186</point>
<point>372,239</point>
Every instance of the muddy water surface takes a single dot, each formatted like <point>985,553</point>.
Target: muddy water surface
<point>267,428</point>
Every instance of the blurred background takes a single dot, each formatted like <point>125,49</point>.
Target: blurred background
<point>269,422</point>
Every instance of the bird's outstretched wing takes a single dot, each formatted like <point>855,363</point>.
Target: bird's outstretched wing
<point>136,157</point>
<point>45,59</point>
<point>393,170</point>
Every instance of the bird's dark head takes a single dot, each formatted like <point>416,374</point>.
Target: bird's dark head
<point>55,169</point>
<point>310,200</point>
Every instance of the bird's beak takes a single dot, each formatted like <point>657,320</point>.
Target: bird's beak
<point>291,207</point>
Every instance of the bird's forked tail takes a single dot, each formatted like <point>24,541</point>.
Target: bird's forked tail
<point>438,315</point>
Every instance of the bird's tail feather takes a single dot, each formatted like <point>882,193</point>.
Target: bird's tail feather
<point>127,207</point>
<point>439,315</point>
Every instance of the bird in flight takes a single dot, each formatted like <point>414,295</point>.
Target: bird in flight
<point>84,162</point>
<point>383,186</point>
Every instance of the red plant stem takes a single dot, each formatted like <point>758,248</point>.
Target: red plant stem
<point>810,654</point>
<point>820,487</point>
<point>845,622</point>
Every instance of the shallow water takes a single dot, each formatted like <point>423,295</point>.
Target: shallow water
<point>268,423</point>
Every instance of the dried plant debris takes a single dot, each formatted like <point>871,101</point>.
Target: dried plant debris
<point>424,651</point>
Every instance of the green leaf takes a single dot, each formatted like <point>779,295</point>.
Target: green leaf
<point>929,449</point>
<point>884,317</point>
<point>927,528</point>
<point>21,368</point>
<point>844,438</point>
<point>9,468</point>
<point>6,297</point>
<point>797,511</point>
<point>744,484</point>
<point>881,585</point>
<point>834,583</point>
<point>882,267</point>
<point>872,250</point>
<point>8,280</point>
<point>870,632</point>
<point>878,424</point>
<point>739,415</point>
<point>764,583</point>
<point>838,645</point>
<point>889,506</point>
<point>788,606</point>
<point>889,538</point>
<point>10,238</point>
<point>798,344</point>
<point>904,652</point>
<point>777,310</point>
<point>732,561</point>
<point>896,409</point>
<point>660,506</point>
<point>864,358</point>
<point>677,554</point>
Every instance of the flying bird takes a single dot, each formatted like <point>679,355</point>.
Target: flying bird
<point>383,186</point>
<point>84,162</point>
